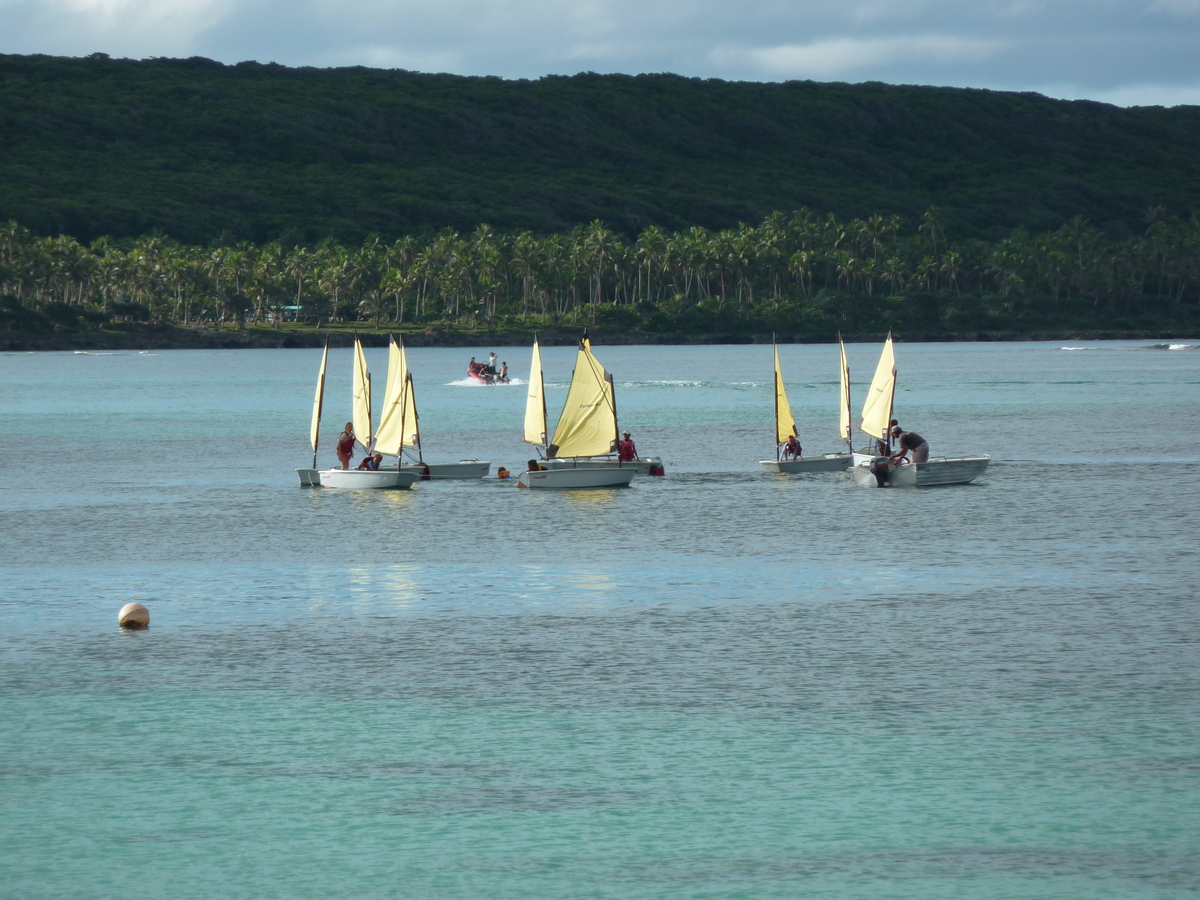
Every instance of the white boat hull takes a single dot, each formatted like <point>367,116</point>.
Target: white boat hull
<point>643,465</point>
<point>935,472</point>
<point>462,470</point>
<point>367,480</point>
<point>309,477</point>
<point>829,462</point>
<point>564,479</point>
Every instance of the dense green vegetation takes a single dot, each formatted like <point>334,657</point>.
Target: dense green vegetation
<point>195,149</point>
<point>801,273</point>
<point>184,191</point>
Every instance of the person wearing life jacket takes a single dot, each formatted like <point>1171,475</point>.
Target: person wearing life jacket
<point>371,463</point>
<point>792,449</point>
<point>345,445</point>
<point>535,466</point>
<point>626,451</point>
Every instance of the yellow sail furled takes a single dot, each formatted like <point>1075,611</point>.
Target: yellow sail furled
<point>877,411</point>
<point>844,421</point>
<point>535,402</point>
<point>588,424</point>
<point>362,397</point>
<point>785,425</point>
<point>396,430</point>
<point>314,431</point>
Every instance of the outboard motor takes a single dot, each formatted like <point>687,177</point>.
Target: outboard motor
<point>879,468</point>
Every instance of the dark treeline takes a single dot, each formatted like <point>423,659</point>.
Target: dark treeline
<point>265,153</point>
<point>801,272</point>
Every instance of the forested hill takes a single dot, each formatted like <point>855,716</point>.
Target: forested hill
<point>199,150</point>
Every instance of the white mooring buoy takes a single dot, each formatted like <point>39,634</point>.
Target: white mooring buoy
<point>134,615</point>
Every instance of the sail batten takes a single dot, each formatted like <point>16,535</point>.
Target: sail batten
<point>785,423</point>
<point>877,410</point>
<point>535,401</point>
<point>588,424</point>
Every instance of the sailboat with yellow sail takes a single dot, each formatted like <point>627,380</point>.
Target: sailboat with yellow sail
<point>311,477</point>
<point>399,427</point>
<point>586,428</point>
<point>786,462</point>
<point>364,479</point>
<point>872,467</point>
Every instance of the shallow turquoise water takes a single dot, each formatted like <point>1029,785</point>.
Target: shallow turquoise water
<point>717,684</point>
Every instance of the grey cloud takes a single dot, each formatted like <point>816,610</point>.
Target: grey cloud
<point>1108,49</point>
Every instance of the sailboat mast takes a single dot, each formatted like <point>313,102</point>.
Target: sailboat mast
<point>775,383</point>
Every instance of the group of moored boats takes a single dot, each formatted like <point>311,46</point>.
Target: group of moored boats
<point>872,466</point>
<point>586,451</point>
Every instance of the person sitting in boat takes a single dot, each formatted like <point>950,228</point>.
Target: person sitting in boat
<point>909,442</point>
<point>345,445</point>
<point>535,466</point>
<point>371,463</point>
<point>792,449</point>
<point>626,451</point>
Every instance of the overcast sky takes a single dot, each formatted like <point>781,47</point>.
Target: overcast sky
<point>1128,52</point>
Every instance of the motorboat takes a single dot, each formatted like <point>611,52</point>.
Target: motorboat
<point>871,468</point>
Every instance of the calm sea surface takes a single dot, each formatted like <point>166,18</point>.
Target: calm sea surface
<point>721,683</point>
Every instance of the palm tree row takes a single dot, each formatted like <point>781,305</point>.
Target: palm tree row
<point>800,271</point>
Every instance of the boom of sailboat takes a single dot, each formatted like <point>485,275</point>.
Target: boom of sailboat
<point>585,449</point>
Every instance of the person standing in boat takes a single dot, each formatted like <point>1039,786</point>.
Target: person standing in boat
<point>626,451</point>
<point>345,445</point>
<point>909,442</point>
<point>491,366</point>
<point>504,371</point>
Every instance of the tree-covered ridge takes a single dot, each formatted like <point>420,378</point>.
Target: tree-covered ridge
<point>262,153</point>
<point>794,273</point>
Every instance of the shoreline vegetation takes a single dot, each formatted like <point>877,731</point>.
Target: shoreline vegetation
<point>168,202</point>
<point>801,275</point>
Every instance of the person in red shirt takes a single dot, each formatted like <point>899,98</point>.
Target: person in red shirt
<point>345,445</point>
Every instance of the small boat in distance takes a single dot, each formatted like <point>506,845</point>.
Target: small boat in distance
<point>486,373</point>
<point>786,460</point>
<point>873,468</point>
<point>587,427</point>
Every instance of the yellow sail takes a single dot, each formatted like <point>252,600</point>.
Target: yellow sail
<point>844,422</point>
<point>535,402</point>
<point>588,424</point>
<point>877,411</point>
<point>314,430</point>
<point>785,425</point>
<point>362,397</point>
<point>397,429</point>
<point>408,420</point>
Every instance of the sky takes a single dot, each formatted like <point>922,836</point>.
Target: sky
<point>1125,52</point>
